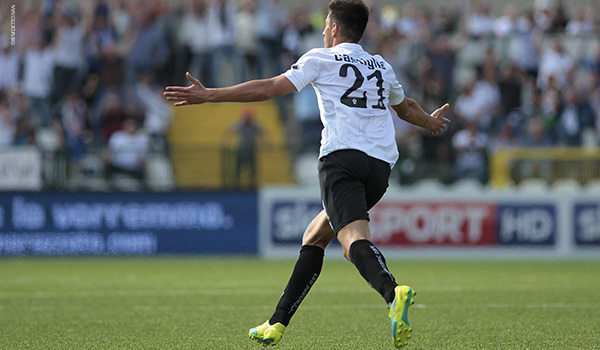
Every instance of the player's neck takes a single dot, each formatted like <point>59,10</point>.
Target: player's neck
<point>337,41</point>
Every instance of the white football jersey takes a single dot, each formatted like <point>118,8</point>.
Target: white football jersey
<point>354,90</point>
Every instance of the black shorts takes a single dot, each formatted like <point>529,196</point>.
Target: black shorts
<point>351,183</point>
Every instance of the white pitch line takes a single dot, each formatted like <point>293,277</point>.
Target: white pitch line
<point>263,291</point>
<point>173,292</point>
<point>131,293</point>
<point>378,306</point>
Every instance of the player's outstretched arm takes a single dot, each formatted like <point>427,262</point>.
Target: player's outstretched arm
<point>410,111</point>
<point>250,91</point>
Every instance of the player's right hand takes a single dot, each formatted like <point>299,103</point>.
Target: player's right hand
<point>187,95</point>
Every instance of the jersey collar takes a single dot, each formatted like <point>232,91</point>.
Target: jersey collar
<point>349,46</point>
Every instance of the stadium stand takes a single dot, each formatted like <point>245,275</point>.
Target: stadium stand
<point>537,65</point>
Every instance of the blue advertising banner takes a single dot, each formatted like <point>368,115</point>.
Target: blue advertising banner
<point>586,223</point>
<point>127,223</point>
<point>527,224</point>
<point>290,219</point>
<point>408,223</point>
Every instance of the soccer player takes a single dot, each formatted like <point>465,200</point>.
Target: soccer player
<point>358,149</point>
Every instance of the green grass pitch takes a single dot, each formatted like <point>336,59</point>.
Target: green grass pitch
<point>211,302</point>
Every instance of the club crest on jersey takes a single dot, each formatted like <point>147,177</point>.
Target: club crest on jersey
<point>370,63</point>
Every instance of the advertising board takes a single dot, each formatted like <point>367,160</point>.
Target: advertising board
<point>20,168</point>
<point>586,223</point>
<point>127,223</point>
<point>410,223</point>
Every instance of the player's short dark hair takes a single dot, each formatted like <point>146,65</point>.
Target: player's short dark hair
<point>351,16</point>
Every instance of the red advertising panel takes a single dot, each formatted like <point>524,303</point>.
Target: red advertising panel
<point>427,223</point>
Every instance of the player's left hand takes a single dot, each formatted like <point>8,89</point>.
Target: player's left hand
<point>436,123</point>
<point>187,95</point>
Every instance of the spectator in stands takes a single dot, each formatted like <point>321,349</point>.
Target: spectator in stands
<point>131,104</point>
<point>222,34</point>
<point>573,118</point>
<point>536,137</point>
<point>526,46</point>
<point>111,68</point>
<point>25,134</point>
<point>431,81</point>
<point>246,39</point>
<point>470,146</point>
<point>489,63</point>
<point>408,25</point>
<point>193,35</point>
<point>582,22</point>
<point>550,106</point>
<point>271,19</point>
<point>69,54</point>
<point>414,30</point>
<point>111,114</point>
<point>298,26</point>
<point>73,114</point>
<point>90,88</point>
<point>510,84</point>
<point>467,107</point>
<point>249,133</point>
<point>28,28</point>
<point>182,53</point>
<point>100,8</point>
<point>448,17</point>
<point>157,112</point>
<point>478,100</point>
<point>128,151</point>
<point>373,33</point>
<point>560,17</point>
<point>543,14</point>
<point>592,63</point>
<point>595,105</point>
<point>25,129</point>
<point>9,61</point>
<point>505,139</point>
<point>100,38</point>
<point>443,61</point>
<point>488,93</point>
<point>434,155</point>
<point>510,23</point>
<point>149,51</point>
<point>480,24</point>
<point>555,62</point>
<point>306,108</point>
<point>121,17</point>
<point>38,64</point>
<point>7,122</point>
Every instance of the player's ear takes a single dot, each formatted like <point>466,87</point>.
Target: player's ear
<point>335,29</point>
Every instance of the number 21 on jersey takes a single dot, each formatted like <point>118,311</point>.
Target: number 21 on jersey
<point>359,79</point>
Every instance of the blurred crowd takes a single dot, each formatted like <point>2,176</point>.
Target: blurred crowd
<point>89,75</point>
<point>527,77</point>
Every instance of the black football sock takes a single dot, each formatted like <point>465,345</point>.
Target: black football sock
<point>307,270</point>
<point>371,264</point>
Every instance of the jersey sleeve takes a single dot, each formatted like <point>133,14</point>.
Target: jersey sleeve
<point>396,93</point>
<point>304,71</point>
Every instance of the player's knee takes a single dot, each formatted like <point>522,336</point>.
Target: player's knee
<point>319,238</point>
